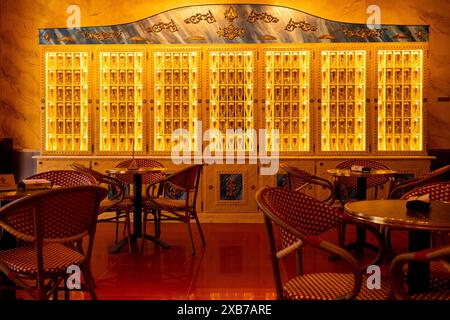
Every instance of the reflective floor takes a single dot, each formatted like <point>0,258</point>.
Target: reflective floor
<point>235,264</point>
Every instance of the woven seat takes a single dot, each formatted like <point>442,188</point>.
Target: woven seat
<point>433,295</point>
<point>173,204</point>
<point>185,181</point>
<point>397,274</point>
<point>316,286</point>
<point>300,218</point>
<point>53,225</point>
<point>57,258</point>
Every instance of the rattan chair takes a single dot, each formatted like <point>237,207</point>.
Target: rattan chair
<point>65,178</point>
<point>343,185</point>
<point>186,180</point>
<point>116,202</point>
<point>51,225</point>
<point>300,179</point>
<point>438,175</point>
<point>397,273</point>
<point>300,219</point>
<point>439,270</point>
<point>150,178</point>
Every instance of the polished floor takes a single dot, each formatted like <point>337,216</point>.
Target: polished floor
<point>235,264</point>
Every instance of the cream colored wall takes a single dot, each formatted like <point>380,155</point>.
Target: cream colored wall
<point>19,53</point>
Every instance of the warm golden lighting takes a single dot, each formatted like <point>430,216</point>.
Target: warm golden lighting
<point>343,100</point>
<point>400,78</point>
<point>66,97</point>
<point>231,85</point>
<point>176,97</point>
<point>287,83</point>
<point>121,101</point>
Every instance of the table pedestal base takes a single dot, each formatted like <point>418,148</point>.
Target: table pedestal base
<point>117,247</point>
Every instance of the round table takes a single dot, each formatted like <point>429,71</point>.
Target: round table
<point>137,204</point>
<point>361,194</point>
<point>420,225</point>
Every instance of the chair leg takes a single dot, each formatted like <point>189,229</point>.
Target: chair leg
<point>144,230</point>
<point>89,279</point>
<point>128,227</point>
<point>117,228</point>
<point>157,217</point>
<point>188,223</point>
<point>194,213</point>
<point>390,254</point>
<point>299,258</point>
<point>341,233</point>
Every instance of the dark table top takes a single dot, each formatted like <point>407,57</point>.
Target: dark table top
<point>394,213</point>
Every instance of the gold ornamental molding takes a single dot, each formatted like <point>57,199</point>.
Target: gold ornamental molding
<point>264,16</point>
<point>231,14</point>
<point>231,32</point>
<point>196,18</point>
<point>101,36</point>
<point>171,26</point>
<point>303,25</point>
<point>363,33</point>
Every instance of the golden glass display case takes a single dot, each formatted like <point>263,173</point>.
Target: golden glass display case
<point>66,98</point>
<point>333,91</point>
<point>400,80</point>
<point>287,86</point>
<point>231,94</point>
<point>176,95</point>
<point>121,90</point>
<point>343,113</point>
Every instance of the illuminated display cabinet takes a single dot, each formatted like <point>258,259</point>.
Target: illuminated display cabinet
<point>66,91</point>
<point>121,91</point>
<point>333,91</point>
<point>176,76</point>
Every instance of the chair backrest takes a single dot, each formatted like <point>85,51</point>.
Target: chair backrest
<point>59,215</point>
<point>147,178</point>
<point>372,181</point>
<point>114,185</point>
<point>300,217</point>
<point>438,175</point>
<point>66,178</point>
<point>299,179</point>
<point>438,191</point>
<point>303,212</point>
<point>187,180</point>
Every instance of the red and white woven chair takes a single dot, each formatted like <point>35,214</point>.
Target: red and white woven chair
<point>51,226</point>
<point>116,202</point>
<point>187,181</point>
<point>438,175</point>
<point>300,219</point>
<point>397,273</point>
<point>300,179</point>
<point>343,185</point>
<point>439,269</point>
<point>66,178</point>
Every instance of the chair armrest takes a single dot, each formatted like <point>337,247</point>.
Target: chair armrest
<point>286,251</point>
<point>160,183</point>
<point>396,267</point>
